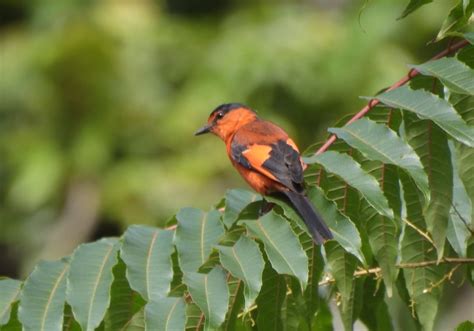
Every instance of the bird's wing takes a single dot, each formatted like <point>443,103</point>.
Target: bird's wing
<point>279,161</point>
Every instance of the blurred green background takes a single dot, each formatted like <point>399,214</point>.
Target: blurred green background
<point>99,101</point>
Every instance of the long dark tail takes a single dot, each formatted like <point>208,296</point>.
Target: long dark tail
<point>316,226</point>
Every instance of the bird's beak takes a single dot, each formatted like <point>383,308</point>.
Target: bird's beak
<point>205,129</point>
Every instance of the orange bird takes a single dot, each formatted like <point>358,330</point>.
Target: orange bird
<point>266,158</point>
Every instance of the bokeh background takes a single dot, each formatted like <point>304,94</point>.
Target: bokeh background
<point>99,101</point>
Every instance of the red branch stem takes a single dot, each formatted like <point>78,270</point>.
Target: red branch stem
<point>373,102</point>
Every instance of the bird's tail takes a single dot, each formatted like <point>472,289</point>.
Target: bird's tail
<point>316,226</point>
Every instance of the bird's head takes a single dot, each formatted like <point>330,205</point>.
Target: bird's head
<point>226,119</point>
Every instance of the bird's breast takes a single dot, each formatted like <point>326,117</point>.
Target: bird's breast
<point>259,183</point>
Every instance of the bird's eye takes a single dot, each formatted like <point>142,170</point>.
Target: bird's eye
<point>219,115</point>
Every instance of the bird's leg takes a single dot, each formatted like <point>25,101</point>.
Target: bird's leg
<point>265,207</point>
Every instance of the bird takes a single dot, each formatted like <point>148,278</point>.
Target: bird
<point>267,158</point>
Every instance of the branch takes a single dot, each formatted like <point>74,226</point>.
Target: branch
<point>373,102</point>
<point>422,264</point>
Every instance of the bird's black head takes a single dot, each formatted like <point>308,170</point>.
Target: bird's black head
<point>222,110</point>
<point>226,119</point>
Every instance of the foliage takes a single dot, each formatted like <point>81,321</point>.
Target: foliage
<point>99,101</point>
<point>401,211</point>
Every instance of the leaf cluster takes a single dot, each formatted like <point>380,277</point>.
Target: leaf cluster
<point>396,190</point>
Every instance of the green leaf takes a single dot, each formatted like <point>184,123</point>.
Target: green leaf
<point>311,294</point>
<point>147,253</point>
<point>350,171</point>
<point>377,142</point>
<point>9,292</point>
<point>431,144</point>
<point>383,232</point>
<point>457,19</point>
<point>310,298</point>
<point>343,266</point>
<point>210,293</point>
<point>346,198</point>
<point>412,6</point>
<point>293,312</point>
<point>136,323</point>
<point>210,263</point>
<point>236,304</point>
<point>177,286</point>
<point>124,302</point>
<point>69,323</point>
<point>194,317</point>
<point>423,284</point>
<point>322,321</point>
<point>167,314</point>
<point>387,116</point>
<point>231,236</point>
<point>42,298</point>
<point>244,261</point>
<point>197,233</point>
<point>470,268</point>
<point>457,76</point>
<point>235,202</point>
<point>374,313</point>
<point>281,245</point>
<point>429,106</point>
<point>466,56</point>
<point>465,4</point>
<point>344,231</point>
<point>89,281</point>
<point>470,37</point>
<point>13,324</point>
<point>465,326</point>
<point>288,211</point>
<point>460,213</point>
<point>270,300</point>
<point>464,154</point>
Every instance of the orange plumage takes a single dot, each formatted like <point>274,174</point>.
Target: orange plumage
<point>266,158</point>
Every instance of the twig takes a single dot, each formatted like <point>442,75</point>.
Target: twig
<point>446,277</point>
<point>423,234</point>
<point>373,102</point>
<point>446,260</point>
<point>413,265</point>
<point>462,219</point>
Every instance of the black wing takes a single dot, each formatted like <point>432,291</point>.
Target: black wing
<point>281,162</point>
<point>284,163</point>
